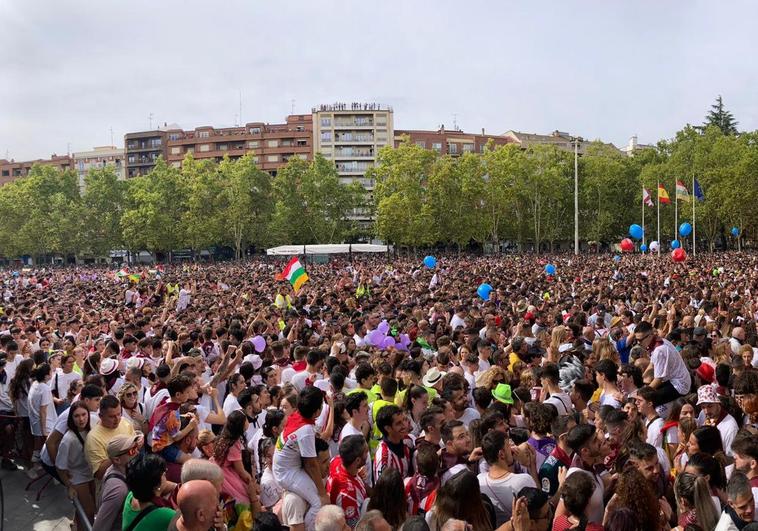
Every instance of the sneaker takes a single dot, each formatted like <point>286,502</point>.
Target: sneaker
<point>7,464</point>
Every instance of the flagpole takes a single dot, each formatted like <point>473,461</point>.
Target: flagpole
<point>676,211</point>
<point>643,215</point>
<point>694,241</point>
<point>658,225</point>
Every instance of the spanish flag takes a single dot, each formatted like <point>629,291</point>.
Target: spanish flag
<point>663,195</point>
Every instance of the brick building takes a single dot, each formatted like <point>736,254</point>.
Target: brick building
<point>446,142</point>
<point>12,170</point>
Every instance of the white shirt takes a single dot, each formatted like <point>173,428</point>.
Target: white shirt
<point>457,321</point>
<point>300,444</point>
<point>40,395</point>
<point>298,380</point>
<point>231,404</point>
<point>469,414</point>
<point>728,428</point>
<point>668,365</point>
<point>501,491</point>
<point>654,435</point>
<point>562,402</point>
<point>71,457</point>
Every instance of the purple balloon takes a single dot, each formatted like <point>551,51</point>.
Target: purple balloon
<point>259,342</point>
<point>383,327</point>
<point>388,342</point>
<point>405,340</point>
<point>375,338</point>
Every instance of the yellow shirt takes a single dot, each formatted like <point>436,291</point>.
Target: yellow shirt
<point>96,445</point>
<point>431,392</point>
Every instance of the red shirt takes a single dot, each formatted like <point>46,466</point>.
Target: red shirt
<point>346,491</point>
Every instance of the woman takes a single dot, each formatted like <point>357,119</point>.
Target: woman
<point>271,492</point>
<point>146,479</point>
<point>694,502</point>
<point>206,440</point>
<point>635,492</point>
<point>41,407</point>
<point>576,493</point>
<point>19,394</point>
<point>64,377</point>
<point>416,402</point>
<point>228,453</point>
<point>389,497</point>
<point>687,425</point>
<point>131,409</point>
<point>462,499</point>
<point>71,463</point>
<point>713,471</point>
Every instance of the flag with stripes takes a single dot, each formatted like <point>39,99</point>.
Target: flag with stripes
<point>681,191</point>
<point>295,273</point>
<point>663,195</point>
<point>647,198</point>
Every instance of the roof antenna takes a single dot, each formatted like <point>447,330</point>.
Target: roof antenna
<point>150,117</point>
<point>292,106</point>
<point>455,121</point>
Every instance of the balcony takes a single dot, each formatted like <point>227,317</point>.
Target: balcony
<point>356,123</point>
<point>354,139</point>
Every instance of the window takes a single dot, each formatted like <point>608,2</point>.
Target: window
<point>174,136</point>
<point>6,173</point>
<point>256,159</point>
<point>132,144</point>
<point>155,142</point>
<point>452,149</point>
<point>176,164</point>
<point>204,134</point>
<point>468,148</point>
<point>272,143</point>
<point>272,158</point>
<point>300,128</point>
<point>421,144</point>
<point>176,150</point>
<point>302,143</point>
<point>302,156</point>
<point>381,119</point>
<point>255,130</point>
<point>326,122</point>
<point>222,147</point>
<point>81,165</point>
<point>204,147</point>
<point>437,146</point>
<point>253,144</point>
<point>132,159</point>
<point>326,136</point>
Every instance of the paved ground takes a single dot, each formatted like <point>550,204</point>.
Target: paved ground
<point>53,511</point>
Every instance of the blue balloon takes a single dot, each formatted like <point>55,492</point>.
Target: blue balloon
<point>636,232</point>
<point>550,269</point>
<point>675,244</point>
<point>617,258</point>
<point>484,291</point>
<point>735,231</point>
<point>643,248</point>
<point>685,229</point>
<point>430,262</point>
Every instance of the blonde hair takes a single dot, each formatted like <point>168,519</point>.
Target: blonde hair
<point>486,378</point>
<point>205,437</point>
<point>127,387</point>
<point>603,349</point>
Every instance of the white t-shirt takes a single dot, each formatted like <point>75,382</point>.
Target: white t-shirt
<point>63,381</point>
<point>502,491</point>
<point>231,404</point>
<point>40,395</point>
<point>654,435</point>
<point>668,365</point>
<point>562,402</point>
<point>469,414</point>
<point>298,380</point>
<point>71,457</point>
<point>300,444</point>
<point>728,428</point>
<point>595,509</point>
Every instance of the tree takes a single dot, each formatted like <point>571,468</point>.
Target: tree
<point>721,118</point>
<point>102,205</point>
<point>201,223</point>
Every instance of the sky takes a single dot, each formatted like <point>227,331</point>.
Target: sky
<point>71,72</point>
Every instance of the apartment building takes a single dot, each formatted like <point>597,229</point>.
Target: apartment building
<point>99,157</point>
<point>10,170</point>
<point>559,139</point>
<point>447,142</point>
<point>271,145</point>
<point>143,150</point>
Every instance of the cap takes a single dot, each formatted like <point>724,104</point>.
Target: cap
<point>699,331</point>
<point>706,394</point>
<point>121,444</point>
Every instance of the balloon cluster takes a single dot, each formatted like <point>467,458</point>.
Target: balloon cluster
<point>381,338</point>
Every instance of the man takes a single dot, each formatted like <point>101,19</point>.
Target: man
<point>653,423</point>
<point>484,349</point>
<point>586,446</point>
<point>457,455</point>
<point>737,339</point>
<point>113,490</point>
<point>716,415</point>
<point>740,509</point>
<point>454,391</point>
<point>459,318</point>
<point>431,422</point>
<point>500,482</point>
<point>671,379</point>
<point>559,458</point>
<point>549,378</point>
<point>165,424</point>
<point>745,449</point>
<point>356,406</point>
<point>331,518</point>
<point>296,513</point>
<point>111,424</point>
<point>345,486</point>
<point>296,463</point>
<point>198,507</point>
<point>410,373</point>
<point>365,375</point>
<point>373,521</point>
<point>645,457</point>
<point>315,364</point>
<point>395,449</point>
<point>6,410</point>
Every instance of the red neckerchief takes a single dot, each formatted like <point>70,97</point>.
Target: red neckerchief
<point>654,344</point>
<point>299,365</point>
<point>162,411</point>
<point>670,424</point>
<point>294,422</point>
<point>157,387</point>
<point>561,456</point>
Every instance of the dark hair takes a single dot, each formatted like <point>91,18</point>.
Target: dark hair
<point>492,443</point>
<point>427,461</point>
<point>363,370</point>
<point>643,327</point>
<point>641,451</point>
<point>313,357</point>
<point>233,431</point>
<point>576,494</point>
<point>461,498</point>
<point>41,372</point>
<point>389,497</point>
<point>179,384</point>
<point>608,369</point>
<point>79,404</point>
<point>622,519</point>
<point>415,523</point>
<point>615,418</point>
<point>427,417</point>
<point>143,475</point>
<point>274,418</point>
<point>321,445</point>
<point>385,416</point>
<point>413,392</point>
<point>584,389</point>
<point>540,417</point>
<point>351,448</point>
<point>447,429</point>
<point>646,393</point>
<point>91,391</point>
<point>634,373</point>
<point>579,436</point>
<point>708,465</point>
<point>482,397</point>
<point>309,401</point>
<point>266,521</point>
<point>559,425</point>
<point>709,439</point>
<point>109,402</point>
<point>535,500</point>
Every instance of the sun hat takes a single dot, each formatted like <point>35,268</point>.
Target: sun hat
<point>108,366</point>
<point>432,377</point>
<point>503,393</point>
<point>706,394</point>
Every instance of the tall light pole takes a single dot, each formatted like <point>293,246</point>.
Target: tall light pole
<point>576,196</point>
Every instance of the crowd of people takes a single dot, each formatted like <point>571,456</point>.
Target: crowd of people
<point>616,395</point>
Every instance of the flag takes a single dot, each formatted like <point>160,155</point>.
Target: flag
<point>646,197</point>
<point>135,277</point>
<point>698,192</point>
<point>295,273</point>
<point>681,191</point>
<point>663,195</point>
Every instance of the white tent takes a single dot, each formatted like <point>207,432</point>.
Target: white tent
<point>338,248</point>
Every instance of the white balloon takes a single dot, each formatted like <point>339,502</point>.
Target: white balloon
<point>653,246</point>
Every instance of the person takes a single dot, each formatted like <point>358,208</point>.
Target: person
<point>271,491</point>
<point>549,378</point>
<point>560,458</point>
<point>740,509</point>
<point>72,466</point>
<point>694,502</point>
<point>345,485</point>
<point>111,424</point>
<point>165,423</point>
<point>295,459</point>
<point>331,518</point>
<point>356,407</point>
<point>388,496</point>
<point>461,498</point>
<point>745,448</point>
<point>41,408</point>
<point>457,453</point>
<point>372,521</point>
<point>198,507</point>
<point>145,477</point>
<point>18,391</point>
<point>716,415</point>
<point>583,441</point>
<point>227,454</point>
<point>671,379</point>
<point>606,375</point>
<point>576,494</point>
<point>131,408</point>
<point>635,490</point>
<point>539,417</point>
<point>64,377</point>
<point>653,423</point>
<point>395,448</point>
<point>113,489</point>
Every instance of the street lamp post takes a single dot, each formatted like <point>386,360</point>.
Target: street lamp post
<point>576,196</point>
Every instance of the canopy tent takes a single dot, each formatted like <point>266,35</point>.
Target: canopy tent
<point>338,248</point>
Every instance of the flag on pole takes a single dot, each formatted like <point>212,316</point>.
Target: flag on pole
<point>663,195</point>
<point>681,191</point>
<point>295,273</point>
<point>647,198</point>
<point>697,191</point>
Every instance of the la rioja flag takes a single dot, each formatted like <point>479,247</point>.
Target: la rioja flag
<point>295,273</point>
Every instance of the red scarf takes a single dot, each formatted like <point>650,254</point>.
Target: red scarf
<point>294,422</point>
<point>299,365</point>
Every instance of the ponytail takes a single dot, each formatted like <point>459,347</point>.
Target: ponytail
<point>707,516</point>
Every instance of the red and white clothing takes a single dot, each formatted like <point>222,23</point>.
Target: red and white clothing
<point>346,491</point>
<point>421,493</point>
<point>397,456</point>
